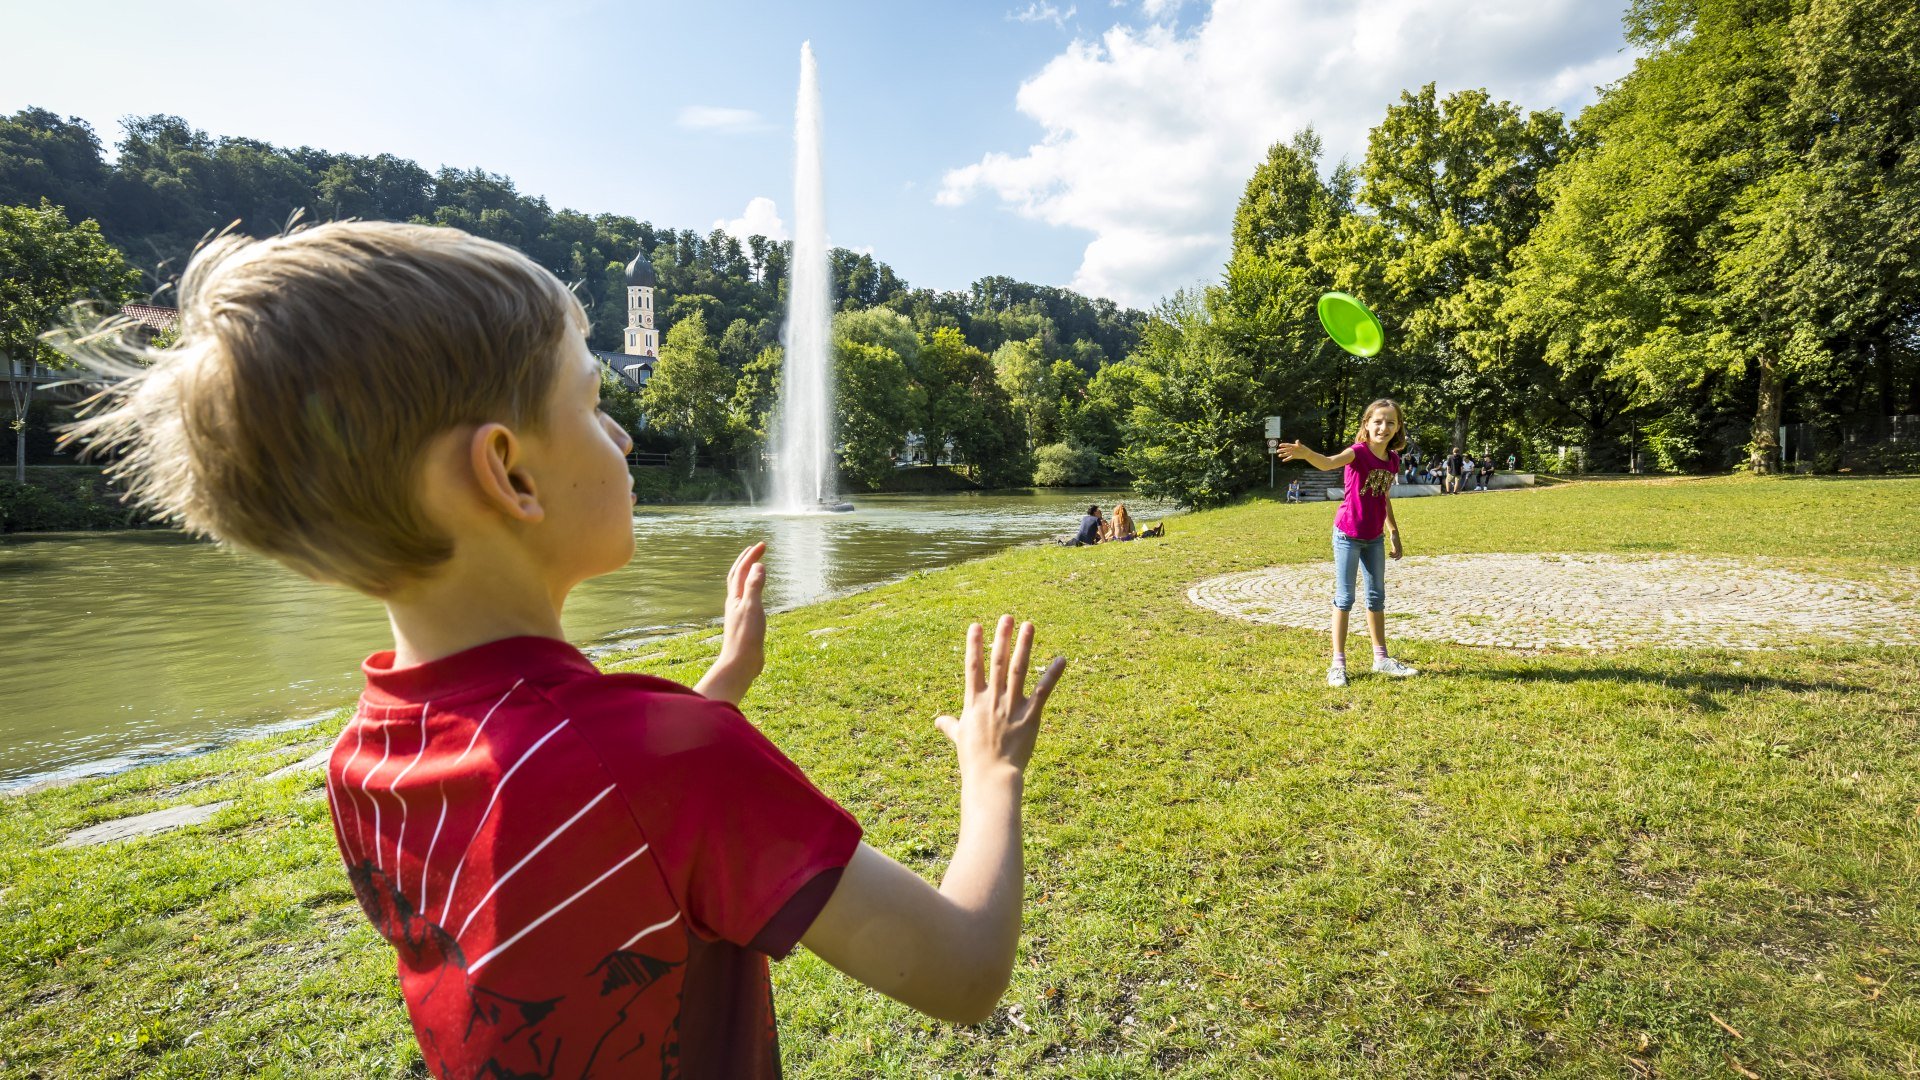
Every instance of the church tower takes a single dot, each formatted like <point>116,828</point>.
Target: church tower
<point>642,338</point>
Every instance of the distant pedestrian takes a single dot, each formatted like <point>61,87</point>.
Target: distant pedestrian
<point>1293,491</point>
<point>1456,466</point>
<point>1512,462</point>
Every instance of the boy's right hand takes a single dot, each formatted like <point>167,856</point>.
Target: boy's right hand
<point>998,720</point>
<point>949,952</point>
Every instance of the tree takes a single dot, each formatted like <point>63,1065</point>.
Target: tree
<point>50,266</point>
<point>1668,257</point>
<point>1295,236</point>
<point>1456,187</point>
<point>1100,421</point>
<point>45,157</point>
<point>1193,434</point>
<point>1025,373</point>
<point>967,408</point>
<point>621,402</point>
<point>688,393</point>
<point>1854,209</point>
<point>871,396</point>
<point>750,412</point>
<point>1066,464</point>
<point>739,345</point>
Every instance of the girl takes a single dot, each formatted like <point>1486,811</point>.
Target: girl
<point>1121,527</point>
<point>1371,464</point>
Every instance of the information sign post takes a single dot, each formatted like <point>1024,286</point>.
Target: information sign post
<point>1273,444</point>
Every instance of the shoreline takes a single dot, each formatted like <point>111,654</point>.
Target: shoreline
<point>622,645</point>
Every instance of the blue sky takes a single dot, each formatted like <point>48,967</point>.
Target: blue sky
<point>1099,145</point>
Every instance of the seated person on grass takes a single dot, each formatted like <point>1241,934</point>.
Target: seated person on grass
<point>1121,527</point>
<point>580,874</point>
<point>1293,491</point>
<point>1092,528</point>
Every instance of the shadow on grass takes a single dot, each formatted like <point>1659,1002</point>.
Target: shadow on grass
<point>1697,685</point>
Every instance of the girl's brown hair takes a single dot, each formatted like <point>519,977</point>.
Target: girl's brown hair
<point>311,371</point>
<point>1399,440</point>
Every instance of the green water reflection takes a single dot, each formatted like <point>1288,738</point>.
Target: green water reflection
<point>123,647</point>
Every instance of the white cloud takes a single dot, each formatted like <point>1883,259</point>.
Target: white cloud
<point>761,217</point>
<point>1039,11</point>
<point>1151,134</point>
<point>718,118</point>
<point>1153,9</point>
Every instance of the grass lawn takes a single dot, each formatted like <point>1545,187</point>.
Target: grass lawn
<point>1674,863</point>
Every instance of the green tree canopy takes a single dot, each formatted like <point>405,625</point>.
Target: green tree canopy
<point>690,390</point>
<point>1193,433</point>
<point>50,265</point>
<point>874,404</point>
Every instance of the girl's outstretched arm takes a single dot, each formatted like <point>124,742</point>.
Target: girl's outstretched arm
<point>1295,451</point>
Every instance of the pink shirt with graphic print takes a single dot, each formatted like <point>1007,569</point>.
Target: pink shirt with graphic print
<point>1369,481</point>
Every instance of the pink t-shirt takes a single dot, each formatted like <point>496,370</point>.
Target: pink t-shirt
<point>1363,513</point>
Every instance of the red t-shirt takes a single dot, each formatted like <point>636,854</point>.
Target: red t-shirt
<point>582,874</point>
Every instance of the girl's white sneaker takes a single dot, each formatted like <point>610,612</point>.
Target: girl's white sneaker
<point>1387,665</point>
<point>1337,675</point>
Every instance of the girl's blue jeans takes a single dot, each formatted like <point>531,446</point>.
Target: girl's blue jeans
<point>1368,555</point>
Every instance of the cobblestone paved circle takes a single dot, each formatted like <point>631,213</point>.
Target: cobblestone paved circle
<point>1588,601</point>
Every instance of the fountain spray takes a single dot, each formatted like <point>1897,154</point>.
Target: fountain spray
<point>803,427</point>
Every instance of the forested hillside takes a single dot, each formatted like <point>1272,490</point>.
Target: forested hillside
<point>171,183</point>
<point>722,300</point>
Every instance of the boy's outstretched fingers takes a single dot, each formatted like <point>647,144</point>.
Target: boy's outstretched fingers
<point>1002,655</point>
<point>740,575</point>
<point>1022,652</point>
<point>1043,689</point>
<point>976,666</point>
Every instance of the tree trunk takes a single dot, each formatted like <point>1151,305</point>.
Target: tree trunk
<point>1764,451</point>
<point>1883,363</point>
<point>1460,417</point>
<point>22,394</point>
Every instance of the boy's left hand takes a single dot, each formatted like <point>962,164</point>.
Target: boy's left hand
<point>743,640</point>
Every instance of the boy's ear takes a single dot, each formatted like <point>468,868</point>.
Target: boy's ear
<point>500,473</point>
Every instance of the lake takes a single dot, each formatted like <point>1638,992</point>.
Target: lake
<point>127,647</point>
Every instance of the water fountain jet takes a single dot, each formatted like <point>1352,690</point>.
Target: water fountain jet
<point>803,426</point>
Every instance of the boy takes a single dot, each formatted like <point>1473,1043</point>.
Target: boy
<point>581,874</point>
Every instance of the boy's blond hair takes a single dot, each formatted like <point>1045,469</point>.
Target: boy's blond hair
<point>311,371</point>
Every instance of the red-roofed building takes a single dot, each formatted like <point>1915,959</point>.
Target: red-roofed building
<point>156,318</point>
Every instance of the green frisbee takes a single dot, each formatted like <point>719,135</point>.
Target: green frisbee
<point>1350,324</point>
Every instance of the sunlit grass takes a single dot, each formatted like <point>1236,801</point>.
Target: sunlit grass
<point>1530,863</point>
